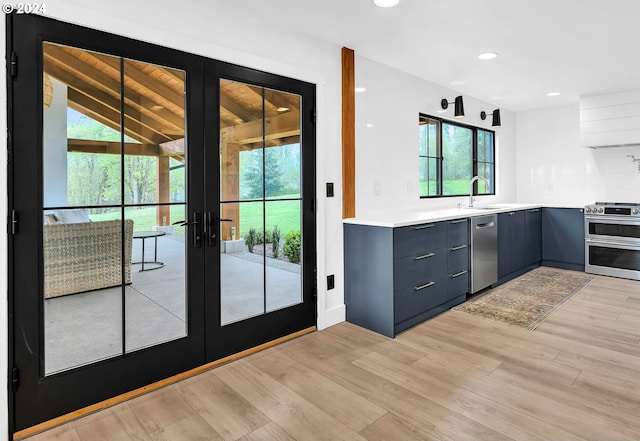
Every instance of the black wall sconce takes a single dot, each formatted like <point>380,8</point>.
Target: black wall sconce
<point>495,120</point>
<point>459,106</point>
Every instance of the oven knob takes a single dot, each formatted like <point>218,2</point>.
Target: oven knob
<point>587,210</point>
<point>600,210</point>
<point>635,211</point>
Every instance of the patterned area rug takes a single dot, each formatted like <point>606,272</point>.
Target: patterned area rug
<point>528,300</point>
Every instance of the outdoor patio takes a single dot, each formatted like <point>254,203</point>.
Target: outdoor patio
<point>87,327</point>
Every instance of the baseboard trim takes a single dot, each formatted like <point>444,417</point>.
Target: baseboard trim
<point>29,431</point>
<point>333,316</point>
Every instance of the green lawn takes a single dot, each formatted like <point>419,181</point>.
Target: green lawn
<point>452,187</point>
<point>284,214</point>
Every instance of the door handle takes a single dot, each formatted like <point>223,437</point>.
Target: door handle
<point>196,233</point>
<point>211,227</point>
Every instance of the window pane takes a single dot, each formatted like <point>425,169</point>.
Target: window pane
<point>424,176</point>
<point>422,138</point>
<point>457,143</point>
<point>481,146</point>
<point>434,177</point>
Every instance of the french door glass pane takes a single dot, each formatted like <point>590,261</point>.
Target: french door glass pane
<point>242,262</point>
<point>154,197</point>
<point>83,248</point>
<point>284,255</point>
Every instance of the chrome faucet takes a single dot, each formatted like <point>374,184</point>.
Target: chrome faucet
<point>474,179</point>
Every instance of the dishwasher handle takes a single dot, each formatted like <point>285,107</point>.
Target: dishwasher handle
<point>486,225</point>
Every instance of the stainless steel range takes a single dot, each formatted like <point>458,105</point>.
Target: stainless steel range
<point>612,239</point>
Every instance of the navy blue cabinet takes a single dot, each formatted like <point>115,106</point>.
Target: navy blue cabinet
<point>398,277</point>
<point>532,236</point>
<point>510,243</point>
<point>563,238</point>
<point>519,243</point>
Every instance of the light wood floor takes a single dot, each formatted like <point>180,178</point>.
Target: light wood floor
<point>455,377</point>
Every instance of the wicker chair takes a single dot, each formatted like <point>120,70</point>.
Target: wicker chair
<point>85,256</point>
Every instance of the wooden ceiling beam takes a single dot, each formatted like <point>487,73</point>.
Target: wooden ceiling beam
<point>111,118</point>
<point>155,89</point>
<point>76,85</point>
<point>276,126</point>
<point>81,76</point>
<point>107,147</point>
<point>236,109</point>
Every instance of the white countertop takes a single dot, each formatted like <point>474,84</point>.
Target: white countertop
<point>414,217</point>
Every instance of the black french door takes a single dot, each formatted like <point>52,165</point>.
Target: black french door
<point>164,213</point>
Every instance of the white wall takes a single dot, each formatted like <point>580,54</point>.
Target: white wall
<point>54,147</point>
<point>553,169</point>
<point>236,40</point>
<point>387,140</point>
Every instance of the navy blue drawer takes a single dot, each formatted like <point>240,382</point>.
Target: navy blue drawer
<point>409,270</point>
<point>419,238</point>
<point>458,283</point>
<point>458,232</point>
<point>458,257</point>
<point>417,299</point>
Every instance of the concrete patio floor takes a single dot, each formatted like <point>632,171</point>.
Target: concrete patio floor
<point>87,327</point>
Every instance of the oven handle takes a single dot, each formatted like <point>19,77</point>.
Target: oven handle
<point>612,244</point>
<point>612,220</point>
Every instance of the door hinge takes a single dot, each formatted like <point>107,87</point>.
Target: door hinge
<point>14,222</point>
<point>13,65</point>
<point>314,116</point>
<point>15,379</point>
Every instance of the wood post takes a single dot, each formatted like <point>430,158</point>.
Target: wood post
<point>348,134</point>
<point>163,212</point>
<point>230,188</point>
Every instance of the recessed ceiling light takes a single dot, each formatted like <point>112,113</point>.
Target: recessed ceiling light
<point>282,109</point>
<point>553,94</point>
<point>370,125</point>
<point>361,89</point>
<point>386,3</point>
<point>157,107</point>
<point>488,55</point>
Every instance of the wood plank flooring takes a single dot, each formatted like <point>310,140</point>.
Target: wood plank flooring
<point>454,377</point>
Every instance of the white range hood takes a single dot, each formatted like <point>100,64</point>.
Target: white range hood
<point>610,119</point>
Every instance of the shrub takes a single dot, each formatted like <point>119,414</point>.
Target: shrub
<point>259,237</point>
<point>251,238</point>
<point>275,240</point>
<point>291,247</point>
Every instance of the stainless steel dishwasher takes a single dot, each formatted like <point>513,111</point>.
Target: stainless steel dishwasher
<point>484,251</point>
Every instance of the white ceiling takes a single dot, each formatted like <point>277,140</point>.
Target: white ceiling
<point>570,46</point>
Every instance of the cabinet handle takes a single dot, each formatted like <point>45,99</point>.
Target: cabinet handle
<point>453,276</point>
<point>422,227</point>
<point>458,248</point>
<point>511,213</point>
<point>458,221</point>
<point>424,256</point>
<point>426,285</point>
<point>535,210</point>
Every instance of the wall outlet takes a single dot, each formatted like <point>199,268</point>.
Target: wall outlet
<point>331,282</point>
<point>329,189</point>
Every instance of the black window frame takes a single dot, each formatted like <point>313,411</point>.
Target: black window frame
<point>474,159</point>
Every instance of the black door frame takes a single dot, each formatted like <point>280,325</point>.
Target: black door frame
<point>24,122</point>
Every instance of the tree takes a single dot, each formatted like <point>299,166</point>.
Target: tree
<point>252,179</point>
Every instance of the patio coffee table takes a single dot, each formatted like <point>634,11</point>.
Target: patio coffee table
<point>143,235</point>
